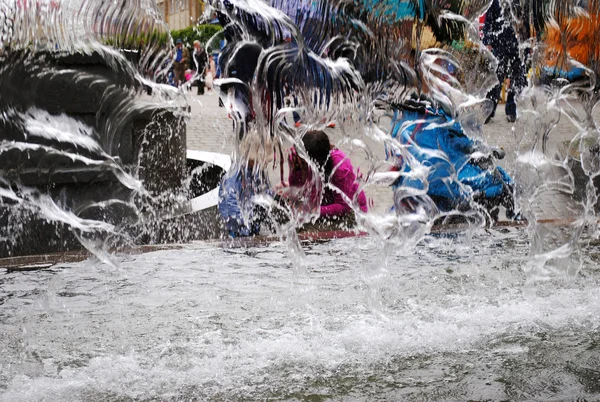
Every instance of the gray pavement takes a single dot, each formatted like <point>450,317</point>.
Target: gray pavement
<point>210,129</point>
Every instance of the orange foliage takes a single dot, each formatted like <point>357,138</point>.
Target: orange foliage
<point>577,37</point>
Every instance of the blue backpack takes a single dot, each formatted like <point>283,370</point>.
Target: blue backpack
<point>455,175</point>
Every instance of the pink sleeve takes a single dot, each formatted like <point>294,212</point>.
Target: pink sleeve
<point>344,180</point>
<point>338,208</point>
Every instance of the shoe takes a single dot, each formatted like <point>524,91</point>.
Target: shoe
<point>331,125</point>
<point>511,119</point>
<point>297,124</point>
<point>489,119</point>
<point>499,153</point>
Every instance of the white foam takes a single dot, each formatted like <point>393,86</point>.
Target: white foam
<point>233,324</point>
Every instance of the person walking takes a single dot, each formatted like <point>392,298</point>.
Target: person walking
<point>211,72</point>
<point>180,61</point>
<point>499,36</point>
<point>201,61</point>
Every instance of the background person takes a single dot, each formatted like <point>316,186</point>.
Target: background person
<point>180,62</point>
<point>211,72</point>
<point>500,37</point>
<point>201,61</point>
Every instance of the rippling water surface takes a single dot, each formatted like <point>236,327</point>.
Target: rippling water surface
<point>445,321</point>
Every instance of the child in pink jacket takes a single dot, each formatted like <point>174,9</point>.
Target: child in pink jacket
<point>337,171</point>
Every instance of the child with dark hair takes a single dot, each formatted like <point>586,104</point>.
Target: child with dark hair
<point>335,168</point>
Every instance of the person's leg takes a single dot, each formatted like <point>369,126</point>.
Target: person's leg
<point>511,107</point>
<point>494,96</point>
<point>517,82</point>
<point>201,84</point>
<point>496,93</point>
<point>182,76</point>
<point>179,74</point>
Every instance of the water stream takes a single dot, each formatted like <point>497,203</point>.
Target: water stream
<point>451,323</point>
<point>90,142</point>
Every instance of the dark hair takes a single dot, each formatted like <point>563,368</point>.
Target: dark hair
<point>317,147</point>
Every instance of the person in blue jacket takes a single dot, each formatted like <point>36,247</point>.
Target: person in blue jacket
<point>460,169</point>
<point>240,215</point>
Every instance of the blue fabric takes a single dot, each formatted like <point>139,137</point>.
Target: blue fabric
<point>483,181</point>
<point>216,60</point>
<point>571,75</point>
<point>179,55</point>
<point>438,142</point>
<point>399,9</point>
<point>235,193</point>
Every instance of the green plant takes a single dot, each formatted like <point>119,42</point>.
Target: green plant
<point>196,32</point>
<point>153,38</point>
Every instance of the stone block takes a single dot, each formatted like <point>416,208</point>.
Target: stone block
<point>100,92</point>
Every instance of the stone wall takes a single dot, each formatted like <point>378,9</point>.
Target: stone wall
<point>102,93</point>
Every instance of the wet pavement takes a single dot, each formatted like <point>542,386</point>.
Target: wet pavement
<point>210,129</point>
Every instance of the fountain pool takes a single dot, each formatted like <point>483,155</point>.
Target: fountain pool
<point>445,321</point>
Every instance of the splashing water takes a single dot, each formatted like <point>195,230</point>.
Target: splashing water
<point>93,146</point>
<point>563,85</point>
<point>239,326</point>
<point>78,130</point>
<point>362,57</point>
